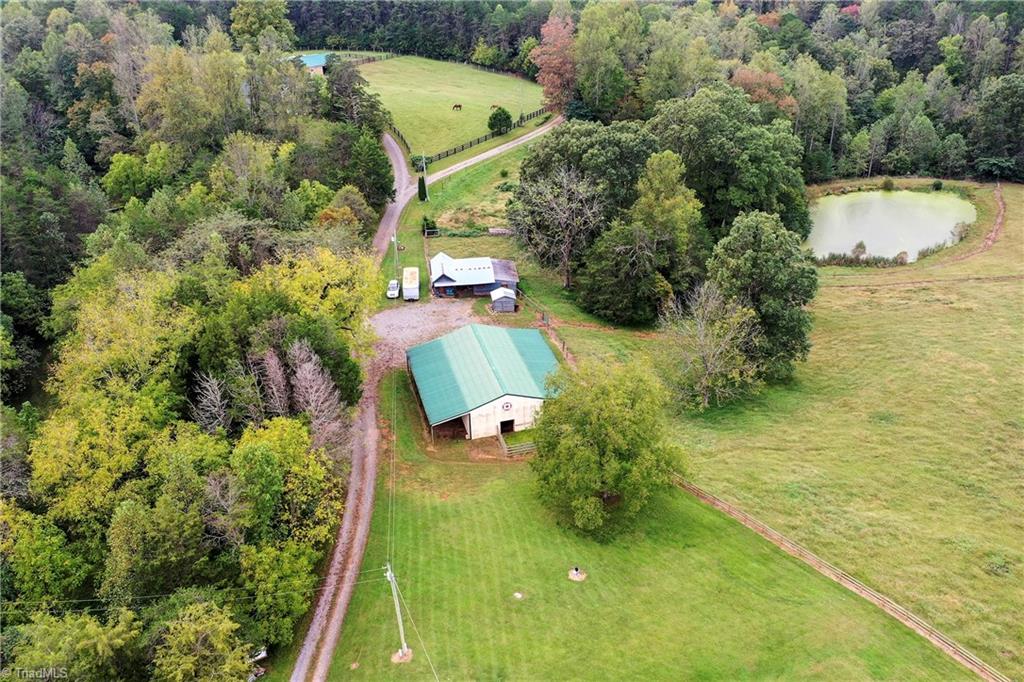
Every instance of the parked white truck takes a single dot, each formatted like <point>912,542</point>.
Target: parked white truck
<point>411,284</point>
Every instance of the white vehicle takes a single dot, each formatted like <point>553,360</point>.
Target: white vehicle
<point>411,284</point>
<point>393,289</point>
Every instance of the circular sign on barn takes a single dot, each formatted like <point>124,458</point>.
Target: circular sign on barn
<point>506,406</point>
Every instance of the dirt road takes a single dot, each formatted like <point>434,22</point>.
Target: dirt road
<point>405,182</point>
<point>397,328</point>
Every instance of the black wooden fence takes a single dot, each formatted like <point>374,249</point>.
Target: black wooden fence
<point>466,145</point>
<point>393,129</point>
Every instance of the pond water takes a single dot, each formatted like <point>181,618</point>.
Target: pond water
<point>887,222</point>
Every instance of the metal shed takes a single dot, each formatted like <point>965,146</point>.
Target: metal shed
<point>503,300</point>
<point>481,380</point>
<point>470,276</point>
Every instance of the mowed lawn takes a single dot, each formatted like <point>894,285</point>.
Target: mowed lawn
<point>898,450</point>
<point>687,594</point>
<point>420,94</point>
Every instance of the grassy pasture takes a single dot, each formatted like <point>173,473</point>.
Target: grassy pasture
<point>896,452</point>
<point>420,93</point>
<point>687,594</point>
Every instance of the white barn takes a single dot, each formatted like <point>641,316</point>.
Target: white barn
<point>482,380</point>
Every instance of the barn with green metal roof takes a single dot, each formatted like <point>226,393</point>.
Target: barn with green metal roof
<point>481,380</point>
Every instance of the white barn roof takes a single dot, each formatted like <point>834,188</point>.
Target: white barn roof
<point>461,271</point>
<point>502,292</point>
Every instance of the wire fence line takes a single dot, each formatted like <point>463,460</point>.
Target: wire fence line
<point>903,615</point>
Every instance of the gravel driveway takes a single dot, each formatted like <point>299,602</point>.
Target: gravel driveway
<point>397,328</point>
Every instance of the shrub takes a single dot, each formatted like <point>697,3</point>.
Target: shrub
<point>937,185</point>
<point>420,163</point>
<point>421,188</point>
<point>930,250</point>
<point>960,231</point>
<point>850,260</point>
<point>887,185</point>
<point>500,121</point>
<point>504,172</point>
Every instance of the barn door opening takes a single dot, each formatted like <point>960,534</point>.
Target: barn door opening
<point>508,426</point>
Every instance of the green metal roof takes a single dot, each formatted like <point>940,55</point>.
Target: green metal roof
<point>476,364</point>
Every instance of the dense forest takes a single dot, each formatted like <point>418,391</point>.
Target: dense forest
<point>185,292</point>
<point>185,279</point>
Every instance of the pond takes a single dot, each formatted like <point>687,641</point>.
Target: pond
<point>887,222</point>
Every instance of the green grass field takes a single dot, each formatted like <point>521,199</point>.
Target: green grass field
<point>420,94</point>
<point>687,594</point>
<point>896,452</point>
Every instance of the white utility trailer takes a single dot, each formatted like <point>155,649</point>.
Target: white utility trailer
<point>411,284</point>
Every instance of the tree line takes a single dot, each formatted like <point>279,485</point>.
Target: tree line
<point>867,87</point>
<point>499,35</point>
<point>675,194</point>
<point>186,286</point>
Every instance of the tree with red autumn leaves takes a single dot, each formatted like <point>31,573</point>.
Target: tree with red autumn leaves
<point>555,60</point>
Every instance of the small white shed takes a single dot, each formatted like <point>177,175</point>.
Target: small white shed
<point>503,300</point>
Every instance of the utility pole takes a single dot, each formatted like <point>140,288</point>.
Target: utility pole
<point>405,653</point>
<point>394,240</point>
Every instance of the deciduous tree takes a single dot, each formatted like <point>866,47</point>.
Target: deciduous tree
<point>281,579</point>
<point>80,644</point>
<point>250,18</point>
<point>710,343</point>
<point>761,265</point>
<point>557,218</point>
<point>601,450</point>
<point>556,65</point>
<point>201,645</point>
<point>733,162</point>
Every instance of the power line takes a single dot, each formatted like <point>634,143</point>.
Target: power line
<point>417,631</point>
<point>54,602</point>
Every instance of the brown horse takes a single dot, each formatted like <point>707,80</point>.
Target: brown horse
<point>456,107</point>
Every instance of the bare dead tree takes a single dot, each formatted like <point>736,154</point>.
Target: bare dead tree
<point>315,394</point>
<point>275,383</point>
<point>211,408</point>
<point>640,252</point>
<point>224,510</point>
<point>131,38</point>
<point>710,348</point>
<point>557,217</point>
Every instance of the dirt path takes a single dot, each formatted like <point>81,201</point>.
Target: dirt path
<point>911,620</point>
<point>993,234</point>
<point>397,328</point>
